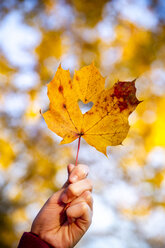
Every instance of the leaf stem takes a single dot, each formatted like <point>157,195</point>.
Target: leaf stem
<point>68,204</point>
<point>78,148</point>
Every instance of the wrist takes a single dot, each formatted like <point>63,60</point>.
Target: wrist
<point>39,232</point>
<point>35,230</point>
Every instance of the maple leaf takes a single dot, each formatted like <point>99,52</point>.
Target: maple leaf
<point>105,124</point>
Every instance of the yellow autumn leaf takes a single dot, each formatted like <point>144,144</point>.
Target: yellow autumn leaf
<point>105,124</point>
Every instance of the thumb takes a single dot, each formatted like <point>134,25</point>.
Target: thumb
<point>70,167</point>
<point>56,196</point>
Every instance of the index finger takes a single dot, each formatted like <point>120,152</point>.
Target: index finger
<point>79,172</point>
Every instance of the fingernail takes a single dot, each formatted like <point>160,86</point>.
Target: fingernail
<point>64,198</point>
<point>74,178</point>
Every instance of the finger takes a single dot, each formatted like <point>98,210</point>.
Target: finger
<point>70,167</point>
<point>76,173</point>
<point>80,210</point>
<point>55,197</point>
<point>84,197</point>
<point>79,172</point>
<point>76,189</point>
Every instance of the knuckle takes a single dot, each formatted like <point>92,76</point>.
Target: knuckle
<point>88,195</point>
<point>86,168</point>
<point>83,169</point>
<point>84,207</point>
<point>72,189</point>
<point>89,182</point>
<point>82,172</point>
<point>68,212</point>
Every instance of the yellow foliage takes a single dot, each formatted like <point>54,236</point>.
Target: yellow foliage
<point>157,179</point>
<point>137,44</point>
<point>49,4</point>
<point>5,68</point>
<point>135,212</point>
<point>152,132</point>
<point>92,10</point>
<point>19,215</point>
<point>157,132</point>
<point>136,39</point>
<point>51,39</point>
<point>6,153</point>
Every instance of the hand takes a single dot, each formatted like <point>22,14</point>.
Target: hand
<point>67,214</point>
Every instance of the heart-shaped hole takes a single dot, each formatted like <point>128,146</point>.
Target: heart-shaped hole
<point>85,107</point>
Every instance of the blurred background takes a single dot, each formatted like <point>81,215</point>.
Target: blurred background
<point>126,39</point>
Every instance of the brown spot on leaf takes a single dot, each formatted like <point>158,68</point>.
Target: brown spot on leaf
<point>126,94</point>
<point>90,113</point>
<point>70,83</point>
<point>64,106</point>
<point>106,108</point>
<point>77,78</point>
<point>122,106</point>
<point>60,88</point>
